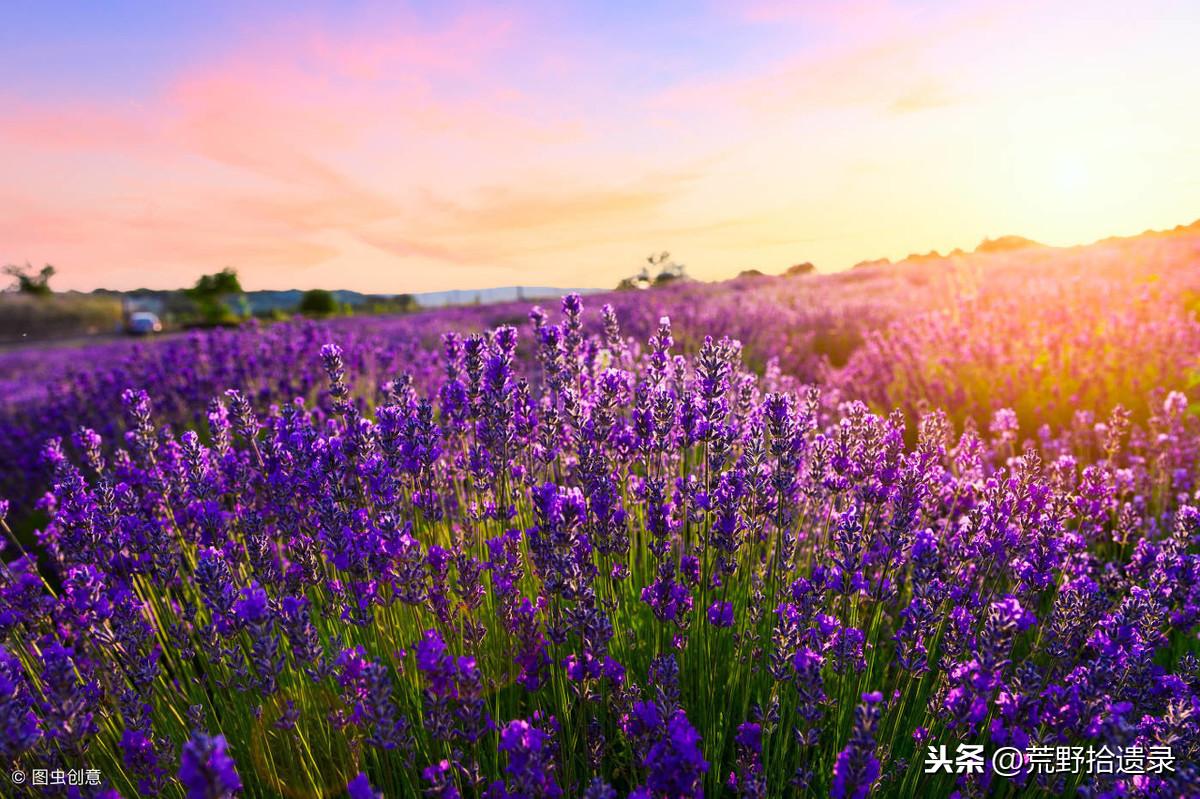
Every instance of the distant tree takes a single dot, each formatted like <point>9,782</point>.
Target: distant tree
<point>318,302</point>
<point>389,304</point>
<point>213,295</point>
<point>800,269</point>
<point>667,271</point>
<point>750,273</point>
<point>667,276</point>
<point>639,281</point>
<point>220,284</point>
<point>27,282</point>
<point>272,315</point>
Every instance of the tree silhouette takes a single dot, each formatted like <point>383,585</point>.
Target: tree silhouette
<point>318,302</point>
<point>211,292</point>
<point>26,282</point>
<point>668,271</point>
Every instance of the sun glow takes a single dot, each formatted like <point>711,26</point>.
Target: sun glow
<point>1071,176</point>
<point>359,156</point>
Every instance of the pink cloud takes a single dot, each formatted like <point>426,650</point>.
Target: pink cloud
<point>80,126</point>
<point>286,138</point>
<point>873,53</point>
<point>508,208</point>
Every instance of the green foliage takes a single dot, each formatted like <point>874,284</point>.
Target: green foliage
<point>28,282</point>
<point>318,302</point>
<point>213,295</point>
<point>389,304</point>
<point>273,315</point>
<point>219,284</point>
<point>27,316</point>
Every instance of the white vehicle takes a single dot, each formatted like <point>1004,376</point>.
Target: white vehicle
<point>143,323</point>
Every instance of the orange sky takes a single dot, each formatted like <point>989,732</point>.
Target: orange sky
<point>482,145</point>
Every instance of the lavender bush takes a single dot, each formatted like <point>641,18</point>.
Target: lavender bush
<point>568,560</point>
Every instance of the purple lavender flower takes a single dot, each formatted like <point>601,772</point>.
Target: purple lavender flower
<point>18,722</point>
<point>440,777</point>
<point>857,767</point>
<point>140,756</point>
<point>367,687</point>
<point>674,764</point>
<point>206,769</point>
<point>749,782</point>
<point>530,768</point>
<point>548,510</point>
<point>71,694</point>
<point>360,788</point>
<point>720,614</point>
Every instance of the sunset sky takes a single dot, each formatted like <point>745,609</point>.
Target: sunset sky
<point>466,146</point>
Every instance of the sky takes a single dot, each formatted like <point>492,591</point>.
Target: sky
<point>402,148</point>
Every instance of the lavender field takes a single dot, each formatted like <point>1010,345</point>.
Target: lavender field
<point>768,537</point>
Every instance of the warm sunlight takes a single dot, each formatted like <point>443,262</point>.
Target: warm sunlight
<point>392,150</point>
<point>1070,176</point>
<point>459,399</point>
